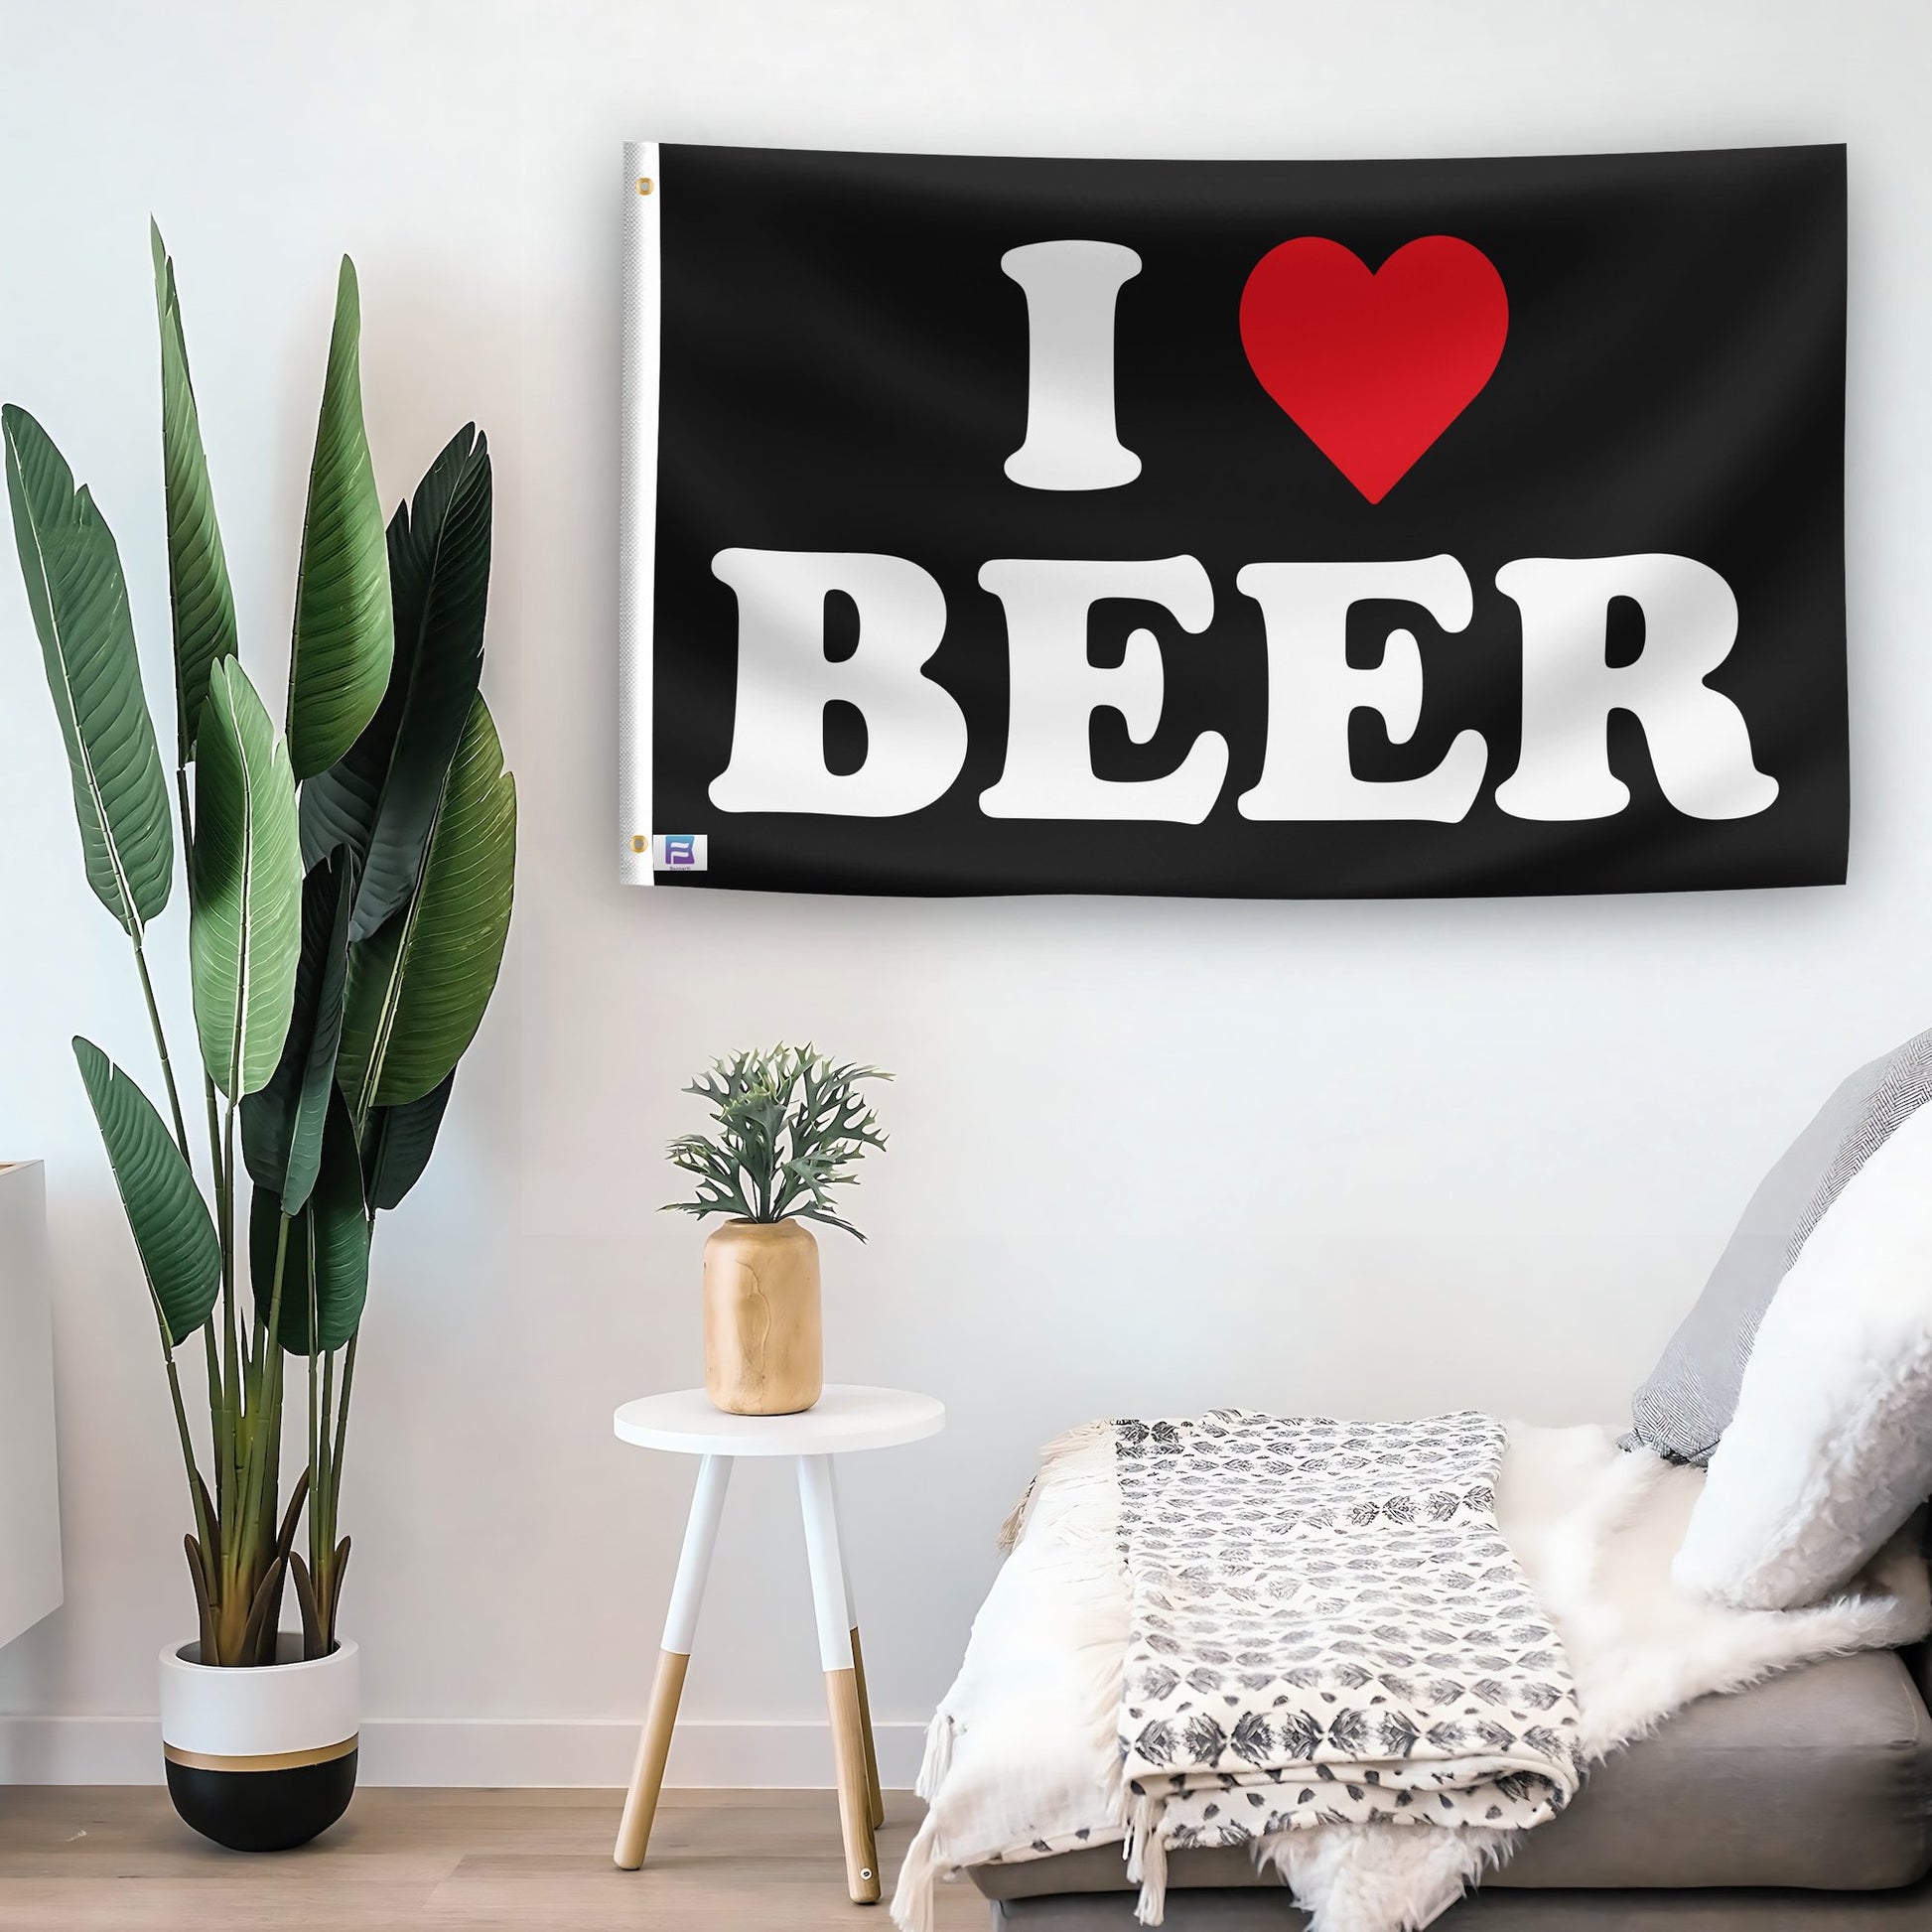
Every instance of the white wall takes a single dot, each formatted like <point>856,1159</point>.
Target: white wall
<point>1371,1159</point>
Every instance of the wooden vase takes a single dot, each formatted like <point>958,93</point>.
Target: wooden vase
<point>763,1343</point>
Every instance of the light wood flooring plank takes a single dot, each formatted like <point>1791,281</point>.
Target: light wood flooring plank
<point>118,1860</point>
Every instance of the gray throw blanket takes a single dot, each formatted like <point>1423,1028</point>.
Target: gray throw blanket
<point>1327,1627</point>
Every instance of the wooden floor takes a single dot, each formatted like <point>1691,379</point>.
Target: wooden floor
<point>116,1860</point>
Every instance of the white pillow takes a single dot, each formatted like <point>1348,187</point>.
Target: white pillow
<point>1830,1451</point>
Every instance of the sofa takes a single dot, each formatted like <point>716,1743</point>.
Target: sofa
<point>1801,1805</point>
<point>1801,1381</point>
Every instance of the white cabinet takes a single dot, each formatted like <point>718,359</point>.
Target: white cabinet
<point>30,1510</point>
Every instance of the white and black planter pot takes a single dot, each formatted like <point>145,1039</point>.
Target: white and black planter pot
<point>260,1759</point>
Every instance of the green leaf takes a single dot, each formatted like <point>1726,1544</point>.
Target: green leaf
<point>380,797</point>
<point>198,571</point>
<point>173,1232</point>
<point>418,989</point>
<point>344,631</point>
<point>79,598</point>
<point>399,1143</point>
<point>281,1125</point>
<point>245,932</point>
<point>791,1126</point>
<point>326,1264</point>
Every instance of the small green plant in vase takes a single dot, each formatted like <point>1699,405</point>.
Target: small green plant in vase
<point>789,1125</point>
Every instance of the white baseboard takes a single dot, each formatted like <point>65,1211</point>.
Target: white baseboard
<point>480,1752</point>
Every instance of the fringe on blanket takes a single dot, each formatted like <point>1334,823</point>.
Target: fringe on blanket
<point>1058,1451</point>
<point>1147,1860</point>
<point>922,1869</point>
<point>937,1760</point>
<point>917,1874</point>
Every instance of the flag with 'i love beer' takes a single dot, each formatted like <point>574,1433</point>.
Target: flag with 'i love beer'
<point>1237,529</point>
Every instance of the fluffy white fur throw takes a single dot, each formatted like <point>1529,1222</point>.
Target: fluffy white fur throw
<point>1023,1757</point>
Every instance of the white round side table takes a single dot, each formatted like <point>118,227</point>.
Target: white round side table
<point>844,1420</point>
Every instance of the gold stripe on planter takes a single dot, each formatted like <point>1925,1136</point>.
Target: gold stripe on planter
<point>266,1761</point>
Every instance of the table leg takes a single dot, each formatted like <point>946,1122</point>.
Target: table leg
<point>878,1797</point>
<point>819,1507</point>
<point>680,1625</point>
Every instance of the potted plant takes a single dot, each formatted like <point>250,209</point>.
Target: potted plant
<point>348,897</point>
<point>789,1127</point>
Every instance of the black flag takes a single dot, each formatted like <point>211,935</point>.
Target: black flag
<point>1236,528</point>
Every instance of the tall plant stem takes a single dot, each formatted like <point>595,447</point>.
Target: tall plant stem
<point>317,1426</point>
<point>219,1435</point>
<point>193,1469</point>
<point>317,1422</point>
<point>233,1415</point>
<point>266,1408</point>
<point>341,1425</point>
<point>220,1392</point>
<point>246,1554</point>
<point>182,806</point>
<point>323,1545</point>
<point>321,1522</point>
<point>230,1346</point>
<point>161,1048</point>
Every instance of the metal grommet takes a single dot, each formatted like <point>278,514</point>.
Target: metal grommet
<point>644,184</point>
<point>640,842</point>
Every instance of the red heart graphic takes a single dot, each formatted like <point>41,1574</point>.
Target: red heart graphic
<point>1374,366</point>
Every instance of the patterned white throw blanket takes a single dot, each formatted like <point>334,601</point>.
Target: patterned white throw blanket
<point>1326,1626</point>
<point>1024,1757</point>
